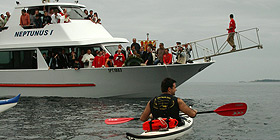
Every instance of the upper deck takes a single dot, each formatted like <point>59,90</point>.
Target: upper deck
<point>77,32</point>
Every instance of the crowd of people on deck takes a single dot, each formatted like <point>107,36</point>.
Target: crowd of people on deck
<point>35,19</point>
<point>180,54</point>
<point>92,16</point>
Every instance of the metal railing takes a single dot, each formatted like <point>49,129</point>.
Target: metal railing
<point>217,45</point>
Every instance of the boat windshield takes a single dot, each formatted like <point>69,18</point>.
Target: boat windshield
<point>112,48</point>
<point>74,12</point>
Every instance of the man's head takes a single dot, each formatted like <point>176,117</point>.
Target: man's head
<point>88,51</point>
<point>100,53</point>
<point>36,12</point>
<point>120,46</point>
<point>91,12</point>
<point>166,51</point>
<point>231,16</point>
<point>23,11</point>
<point>141,48</point>
<point>134,40</point>
<point>119,51</point>
<point>86,11</point>
<point>8,14</point>
<point>168,85</point>
<point>149,49</point>
<point>45,13</point>
<point>2,16</point>
<point>178,43</point>
<point>161,45</point>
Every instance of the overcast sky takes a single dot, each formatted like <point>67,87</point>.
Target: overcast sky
<point>169,21</point>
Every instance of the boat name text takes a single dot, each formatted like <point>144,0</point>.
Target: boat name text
<point>115,70</point>
<point>34,33</point>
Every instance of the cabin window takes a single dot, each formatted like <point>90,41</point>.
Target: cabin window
<point>74,12</point>
<point>18,59</point>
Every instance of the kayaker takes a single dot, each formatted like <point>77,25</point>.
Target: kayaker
<point>167,105</point>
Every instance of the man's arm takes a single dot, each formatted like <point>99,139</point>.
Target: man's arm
<point>145,115</point>
<point>186,109</point>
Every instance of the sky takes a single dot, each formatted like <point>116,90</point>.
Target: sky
<point>187,20</point>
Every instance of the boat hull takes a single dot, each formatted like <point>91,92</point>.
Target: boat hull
<point>166,135</point>
<point>129,82</point>
<point>9,103</point>
<point>6,107</point>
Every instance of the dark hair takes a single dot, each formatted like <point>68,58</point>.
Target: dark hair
<point>231,15</point>
<point>95,14</point>
<point>166,83</point>
<point>111,57</point>
<point>23,10</point>
<point>179,43</point>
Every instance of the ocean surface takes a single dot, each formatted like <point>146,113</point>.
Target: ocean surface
<point>45,118</point>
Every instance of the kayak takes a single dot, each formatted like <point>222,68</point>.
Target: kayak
<point>172,133</point>
<point>9,103</point>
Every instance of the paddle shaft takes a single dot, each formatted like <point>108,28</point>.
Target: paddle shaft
<point>204,112</point>
<point>232,109</point>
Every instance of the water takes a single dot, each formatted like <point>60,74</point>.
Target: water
<point>83,118</point>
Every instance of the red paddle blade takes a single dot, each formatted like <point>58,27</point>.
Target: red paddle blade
<point>117,120</point>
<point>232,109</point>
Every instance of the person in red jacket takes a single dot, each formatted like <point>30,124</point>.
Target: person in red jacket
<point>106,56</point>
<point>98,60</point>
<point>167,57</point>
<point>119,58</point>
<point>231,31</point>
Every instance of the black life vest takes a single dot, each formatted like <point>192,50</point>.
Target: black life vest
<point>165,106</point>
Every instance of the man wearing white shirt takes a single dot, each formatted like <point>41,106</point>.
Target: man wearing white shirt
<point>56,17</point>
<point>87,59</point>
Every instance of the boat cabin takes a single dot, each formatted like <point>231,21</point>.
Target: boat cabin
<point>23,48</point>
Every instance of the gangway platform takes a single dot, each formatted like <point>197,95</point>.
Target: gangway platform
<point>218,45</point>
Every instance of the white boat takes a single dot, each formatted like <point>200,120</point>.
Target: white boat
<point>20,72</point>
<point>9,103</point>
<point>169,134</point>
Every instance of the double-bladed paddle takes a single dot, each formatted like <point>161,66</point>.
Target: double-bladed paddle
<point>231,109</point>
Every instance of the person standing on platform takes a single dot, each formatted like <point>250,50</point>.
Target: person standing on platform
<point>231,32</point>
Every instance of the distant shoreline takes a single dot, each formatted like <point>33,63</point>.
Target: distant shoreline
<point>263,80</point>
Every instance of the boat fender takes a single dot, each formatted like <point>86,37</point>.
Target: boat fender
<point>159,124</point>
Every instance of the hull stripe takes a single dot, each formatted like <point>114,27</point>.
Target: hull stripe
<point>47,85</point>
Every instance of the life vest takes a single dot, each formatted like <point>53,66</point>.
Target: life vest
<point>159,124</point>
<point>165,106</point>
